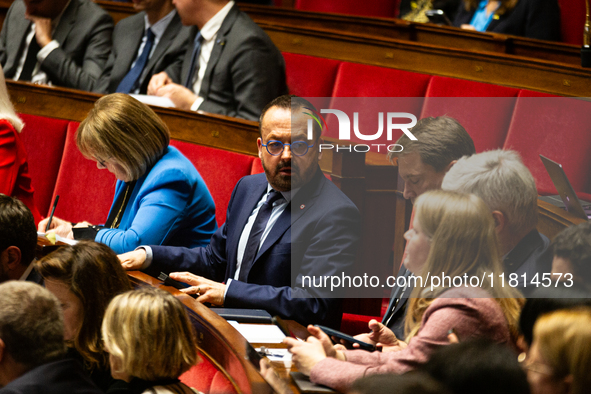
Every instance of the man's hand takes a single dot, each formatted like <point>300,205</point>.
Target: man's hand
<point>42,29</point>
<point>306,354</point>
<point>182,97</point>
<point>207,290</point>
<point>59,226</point>
<point>133,260</point>
<point>157,81</point>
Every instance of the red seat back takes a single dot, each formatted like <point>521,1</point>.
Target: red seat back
<point>86,193</point>
<point>220,170</point>
<point>207,378</point>
<point>558,128</point>
<point>44,140</point>
<point>310,76</point>
<point>572,21</point>
<point>483,109</point>
<point>379,8</point>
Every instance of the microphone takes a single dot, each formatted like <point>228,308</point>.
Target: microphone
<point>586,49</point>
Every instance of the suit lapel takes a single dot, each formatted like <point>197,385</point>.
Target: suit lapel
<point>67,22</point>
<point>165,41</point>
<point>188,55</point>
<point>132,40</point>
<point>218,47</point>
<point>18,45</point>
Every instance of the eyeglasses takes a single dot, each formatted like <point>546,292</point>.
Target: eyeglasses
<point>534,366</point>
<point>298,148</point>
<point>102,163</point>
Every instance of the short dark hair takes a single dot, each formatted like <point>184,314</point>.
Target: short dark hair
<point>477,366</point>
<point>31,323</point>
<point>440,141</point>
<point>409,383</point>
<point>291,102</point>
<point>94,275</point>
<point>574,244</point>
<point>17,228</point>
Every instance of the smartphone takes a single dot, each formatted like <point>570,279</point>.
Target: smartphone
<point>168,281</point>
<point>438,17</point>
<point>341,335</point>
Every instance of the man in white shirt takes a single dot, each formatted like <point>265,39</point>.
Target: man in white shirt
<point>18,240</point>
<point>59,42</point>
<point>232,67</point>
<point>144,44</point>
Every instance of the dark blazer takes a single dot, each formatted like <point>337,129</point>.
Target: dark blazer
<point>317,237</point>
<point>58,377</point>
<point>396,312</point>
<point>530,18</point>
<point>528,257</point>
<point>127,38</point>
<point>244,73</point>
<point>84,35</point>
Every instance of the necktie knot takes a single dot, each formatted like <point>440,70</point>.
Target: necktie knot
<point>272,197</point>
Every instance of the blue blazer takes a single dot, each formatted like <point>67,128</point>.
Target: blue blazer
<point>169,205</point>
<point>316,235</point>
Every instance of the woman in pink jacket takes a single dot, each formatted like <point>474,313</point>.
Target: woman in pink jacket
<point>453,234</point>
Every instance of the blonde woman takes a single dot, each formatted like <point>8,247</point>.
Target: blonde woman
<point>454,234</point>
<point>15,180</point>
<point>559,360</point>
<point>167,347</point>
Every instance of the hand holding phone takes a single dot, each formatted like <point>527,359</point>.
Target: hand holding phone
<point>341,335</point>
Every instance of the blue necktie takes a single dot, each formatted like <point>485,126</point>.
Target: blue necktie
<point>194,61</point>
<point>132,79</point>
<point>254,239</point>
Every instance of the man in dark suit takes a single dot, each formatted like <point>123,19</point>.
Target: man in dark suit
<point>144,44</point>
<point>18,239</point>
<point>32,347</point>
<point>62,42</point>
<point>233,68</point>
<point>310,230</point>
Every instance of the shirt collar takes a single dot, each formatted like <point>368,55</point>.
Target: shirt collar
<point>159,27</point>
<point>25,274</point>
<point>288,195</point>
<point>210,29</point>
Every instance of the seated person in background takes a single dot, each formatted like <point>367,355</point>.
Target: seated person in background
<point>144,44</point>
<point>452,233</point>
<point>233,68</point>
<point>160,198</point>
<point>59,42</point>
<point>572,255</point>
<point>410,383</point>
<point>85,277</point>
<point>14,171</point>
<point>18,240</point>
<point>415,10</point>
<point>508,188</point>
<point>282,225</point>
<point>526,18</point>
<point>167,348</point>
<point>560,357</point>
<point>477,366</point>
<point>423,163</point>
<point>32,349</point>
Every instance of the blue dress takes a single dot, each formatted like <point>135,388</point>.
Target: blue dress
<point>169,205</point>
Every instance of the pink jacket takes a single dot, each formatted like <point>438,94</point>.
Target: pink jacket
<point>458,308</point>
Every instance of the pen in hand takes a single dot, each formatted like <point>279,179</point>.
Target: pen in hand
<point>52,212</point>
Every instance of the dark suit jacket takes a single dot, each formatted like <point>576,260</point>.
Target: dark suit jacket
<point>244,73</point>
<point>127,38</point>
<point>396,312</point>
<point>528,258</point>
<point>530,18</point>
<point>319,237</point>
<point>58,377</point>
<point>84,35</point>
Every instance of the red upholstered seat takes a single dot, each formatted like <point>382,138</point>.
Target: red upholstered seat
<point>86,193</point>
<point>483,109</point>
<point>257,167</point>
<point>220,169</point>
<point>44,140</point>
<point>572,20</point>
<point>379,8</point>
<point>558,128</point>
<point>310,76</point>
<point>402,91</point>
<point>207,378</point>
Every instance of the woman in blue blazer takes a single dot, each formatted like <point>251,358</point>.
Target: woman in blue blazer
<point>160,198</point>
